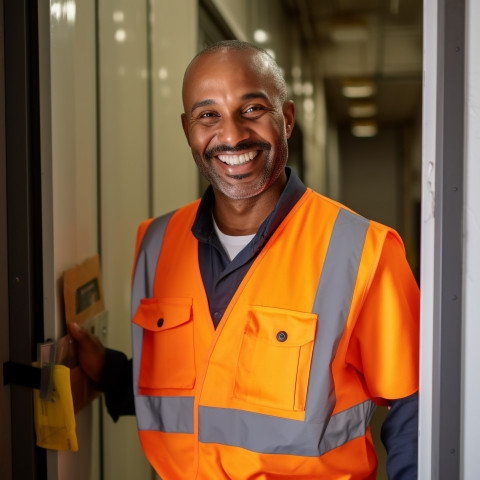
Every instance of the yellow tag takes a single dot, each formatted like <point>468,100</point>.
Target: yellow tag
<point>54,418</point>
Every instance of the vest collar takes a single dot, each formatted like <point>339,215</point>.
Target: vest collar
<point>203,229</point>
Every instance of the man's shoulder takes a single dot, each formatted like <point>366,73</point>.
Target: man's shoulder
<point>377,230</point>
<point>184,210</point>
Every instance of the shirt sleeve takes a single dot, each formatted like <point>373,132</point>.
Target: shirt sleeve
<point>384,346</point>
<point>117,384</point>
<point>400,437</point>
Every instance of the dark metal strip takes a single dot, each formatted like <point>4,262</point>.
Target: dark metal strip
<point>448,256</point>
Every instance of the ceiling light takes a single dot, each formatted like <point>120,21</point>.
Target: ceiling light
<point>120,35</point>
<point>362,109</point>
<point>298,88</point>
<point>309,105</point>
<point>296,72</point>
<point>358,88</point>
<point>118,16</point>
<point>308,89</point>
<point>63,11</point>
<point>364,129</point>
<point>260,36</point>
<point>162,73</point>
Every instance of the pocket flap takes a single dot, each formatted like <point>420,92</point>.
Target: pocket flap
<point>157,314</point>
<point>283,328</point>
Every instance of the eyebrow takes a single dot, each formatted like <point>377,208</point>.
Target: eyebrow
<point>247,96</point>
<point>203,103</point>
<point>253,95</point>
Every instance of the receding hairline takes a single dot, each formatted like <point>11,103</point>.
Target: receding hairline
<point>239,45</point>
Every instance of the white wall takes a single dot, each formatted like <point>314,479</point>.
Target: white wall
<point>74,184</point>
<point>428,236</point>
<point>471,273</point>
<point>174,43</point>
<point>235,14</point>
<point>124,194</point>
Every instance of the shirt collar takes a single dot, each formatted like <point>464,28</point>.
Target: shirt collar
<point>203,228</point>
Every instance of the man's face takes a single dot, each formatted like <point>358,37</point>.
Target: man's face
<point>236,123</point>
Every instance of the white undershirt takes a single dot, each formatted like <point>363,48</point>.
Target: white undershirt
<point>233,245</point>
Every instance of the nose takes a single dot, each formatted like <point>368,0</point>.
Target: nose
<point>232,131</point>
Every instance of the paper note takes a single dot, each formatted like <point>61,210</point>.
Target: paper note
<point>54,418</point>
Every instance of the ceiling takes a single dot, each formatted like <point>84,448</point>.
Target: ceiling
<point>379,40</point>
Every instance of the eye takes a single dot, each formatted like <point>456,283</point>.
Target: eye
<point>207,115</point>
<point>254,111</point>
<point>253,108</point>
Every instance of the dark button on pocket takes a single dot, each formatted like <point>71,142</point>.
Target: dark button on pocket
<point>160,322</point>
<point>282,336</point>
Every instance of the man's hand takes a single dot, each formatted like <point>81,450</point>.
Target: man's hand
<point>91,352</point>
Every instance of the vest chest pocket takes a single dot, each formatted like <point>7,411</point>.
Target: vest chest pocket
<point>274,361</point>
<point>168,357</point>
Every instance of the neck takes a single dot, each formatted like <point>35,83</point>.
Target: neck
<point>244,216</point>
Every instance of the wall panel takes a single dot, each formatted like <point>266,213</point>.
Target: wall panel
<point>74,177</point>
<point>124,193</point>
<point>174,42</point>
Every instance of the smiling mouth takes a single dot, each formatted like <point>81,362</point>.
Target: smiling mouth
<point>241,159</point>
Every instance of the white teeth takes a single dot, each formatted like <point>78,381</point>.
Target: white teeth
<point>237,159</point>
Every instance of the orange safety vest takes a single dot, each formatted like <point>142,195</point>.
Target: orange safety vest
<point>325,320</point>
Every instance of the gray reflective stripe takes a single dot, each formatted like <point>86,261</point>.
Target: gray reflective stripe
<point>142,287</point>
<point>320,431</point>
<point>275,435</point>
<point>167,414</point>
<point>147,260</point>
<point>347,425</point>
<point>332,305</point>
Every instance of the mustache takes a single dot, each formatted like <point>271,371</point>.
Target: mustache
<point>247,145</point>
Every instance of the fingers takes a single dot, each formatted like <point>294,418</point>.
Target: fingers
<point>76,331</point>
<point>91,352</point>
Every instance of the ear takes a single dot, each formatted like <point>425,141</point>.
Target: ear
<point>289,116</point>
<point>185,127</point>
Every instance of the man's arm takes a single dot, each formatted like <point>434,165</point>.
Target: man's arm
<point>384,349</point>
<point>116,383</point>
<point>400,437</point>
<point>110,370</point>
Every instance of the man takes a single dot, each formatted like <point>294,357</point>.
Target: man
<point>267,320</point>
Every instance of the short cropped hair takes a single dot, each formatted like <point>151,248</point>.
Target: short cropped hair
<point>241,45</point>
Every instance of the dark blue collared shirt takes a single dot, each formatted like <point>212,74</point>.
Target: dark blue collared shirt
<point>221,277</point>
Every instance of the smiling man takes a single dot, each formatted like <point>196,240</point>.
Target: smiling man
<point>268,321</point>
<point>237,124</point>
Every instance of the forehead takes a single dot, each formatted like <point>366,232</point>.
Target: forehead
<point>228,70</point>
